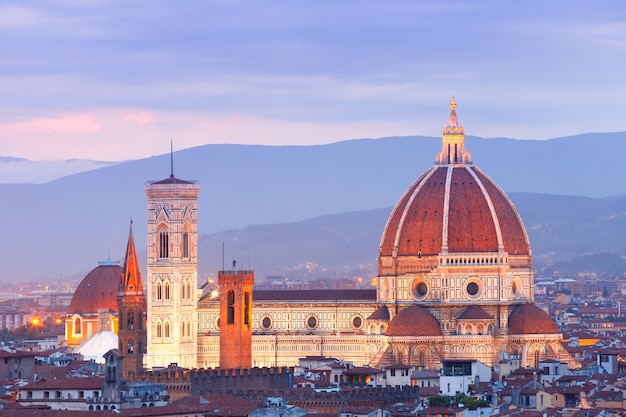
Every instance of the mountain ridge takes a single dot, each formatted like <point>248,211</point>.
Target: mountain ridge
<point>69,224</point>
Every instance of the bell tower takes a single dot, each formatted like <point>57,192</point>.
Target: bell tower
<point>236,318</point>
<point>131,303</point>
<point>172,268</point>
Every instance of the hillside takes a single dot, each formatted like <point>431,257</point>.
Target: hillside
<point>66,226</point>
<point>565,233</point>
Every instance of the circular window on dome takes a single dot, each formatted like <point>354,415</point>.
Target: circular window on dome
<point>517,287</point>
<point>311,322</point>
<point>357,322</point>
<point>419,289</point>
<point>474,288</point>
<point>266,322</point>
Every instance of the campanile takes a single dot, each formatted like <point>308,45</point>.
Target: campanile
<point>172,268</point>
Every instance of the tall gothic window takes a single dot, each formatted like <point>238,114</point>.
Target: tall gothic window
<point>164,245</point>
<point>246,309</point>
<point>159,291</point>
<point>231,307</point>
<point>167,290</point>
<point>158,330</point>
<point>185,245</point>
<point>131,320</point>
<point>166,329</point>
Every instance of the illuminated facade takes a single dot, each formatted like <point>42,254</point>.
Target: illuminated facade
<point>172,273</point>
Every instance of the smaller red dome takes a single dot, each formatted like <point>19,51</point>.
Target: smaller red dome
<point>530,319</point>
<point>414,321</point>
<point>98,290</point>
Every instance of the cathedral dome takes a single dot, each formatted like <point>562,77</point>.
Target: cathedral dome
<point>530,319</point>
<point>414,321</point>
<point>98,290</point>
<point>454,207</point>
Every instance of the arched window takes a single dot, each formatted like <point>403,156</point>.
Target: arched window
<point>164,244</point>
<point>185,245</point>
<point>78,328</point>
<point>158,330</point>
<point>129,346</point>
<point>159,291</point>
<point>167,290</point>
<point>130,320</point>
<point>182,329</point>
<point>166,329</point>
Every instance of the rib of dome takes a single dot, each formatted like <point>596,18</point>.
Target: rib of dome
<point>454,209</point>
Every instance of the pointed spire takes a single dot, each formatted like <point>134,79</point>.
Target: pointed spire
<point>453,138</point>
<point>171,158</point>
<point>131,276</point>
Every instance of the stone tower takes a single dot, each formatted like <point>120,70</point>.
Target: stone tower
<point>236,318</point>
<point>131,304</point>
<point>172,268</point>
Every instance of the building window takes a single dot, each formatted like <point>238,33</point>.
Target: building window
<point>266,323</point>
<point>166,329</point>
<point>246,308</point>
<point>185,245</point>
<point>167,290</point>
<point>158,330</point>
<point>231,307</point>
<point>159,291</point>
<point>131,320</point>
<point>164,245</point>
<point>311,322</point>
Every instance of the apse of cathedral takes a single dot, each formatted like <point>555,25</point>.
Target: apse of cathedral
<point>455,284</point>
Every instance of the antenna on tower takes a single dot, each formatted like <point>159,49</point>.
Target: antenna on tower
<point>223,256</point>
<point>171,158</point>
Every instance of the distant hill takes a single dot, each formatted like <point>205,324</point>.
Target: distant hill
<point>564,232</point>
<point>66,226</point>
<point>24,171</point>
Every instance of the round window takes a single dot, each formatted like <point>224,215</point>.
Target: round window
<point>419,289</point>
<point>517,287</point>
<point>311,322</point>
<point>472,288</point>
<point>266,323</point>
<point>357,322</point>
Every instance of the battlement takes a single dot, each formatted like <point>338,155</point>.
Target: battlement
<point>181,382</point>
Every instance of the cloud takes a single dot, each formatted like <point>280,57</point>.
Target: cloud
<point>141,118</point>
<point>78,123</point>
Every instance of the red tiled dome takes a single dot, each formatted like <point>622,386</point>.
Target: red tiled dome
<point>414,321</point>
<point>478,217</point>
<point>530,319</point>
<point>98,290</point>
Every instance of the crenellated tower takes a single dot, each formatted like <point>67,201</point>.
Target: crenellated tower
<point>236,318</point>
<point>131,303</point>
<point>172,268</point>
